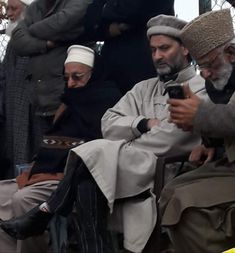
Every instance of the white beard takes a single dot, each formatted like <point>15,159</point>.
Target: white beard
<point>10,27</point>
<point>224,75</point>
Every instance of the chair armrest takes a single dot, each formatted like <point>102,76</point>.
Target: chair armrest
<point>160,170</point>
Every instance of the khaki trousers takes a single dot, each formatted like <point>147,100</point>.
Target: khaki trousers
<point>198,232</point>
<point>15,202</point>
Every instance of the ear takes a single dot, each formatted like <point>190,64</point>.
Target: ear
<point>230,53</point>
<point>185,51</point>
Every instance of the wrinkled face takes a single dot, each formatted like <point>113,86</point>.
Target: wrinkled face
<point>77,74</point>
<point>169,56</point>
<point>216,68</point>
<point>14,9</point>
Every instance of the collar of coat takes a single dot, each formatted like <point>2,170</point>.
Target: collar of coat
<point>182,76</point>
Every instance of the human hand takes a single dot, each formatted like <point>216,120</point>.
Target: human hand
<point>153,122</point>
<point>183,111</point>
<point>50,44</point>
<point>116,29</point>
<point>201,155</point>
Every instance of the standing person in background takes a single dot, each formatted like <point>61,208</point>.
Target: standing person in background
<point>121,24</point>
<point>48,29</point>
<point>14,98</point>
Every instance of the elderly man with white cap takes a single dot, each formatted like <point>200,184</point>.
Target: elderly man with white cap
<point>86,98</point>
<point>199,207</point>
<point>115,174</point>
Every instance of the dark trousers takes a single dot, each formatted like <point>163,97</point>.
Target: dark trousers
<point>91,209</point>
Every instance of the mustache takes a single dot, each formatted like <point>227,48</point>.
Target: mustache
<point>160,62</point>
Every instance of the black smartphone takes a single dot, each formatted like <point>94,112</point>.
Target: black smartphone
<point>175,91</point>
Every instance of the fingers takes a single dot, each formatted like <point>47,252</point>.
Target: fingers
<point>153,122</point>
<point>187,91</point>
<point>210,155</point>
<point>178,105</point>
<point>176,108</point>
<point>174,102</point>
<point>180,123</point>
<point>195,156</point>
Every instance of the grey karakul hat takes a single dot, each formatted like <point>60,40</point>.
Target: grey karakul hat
<point>207,32</point>
<point>165,25</point>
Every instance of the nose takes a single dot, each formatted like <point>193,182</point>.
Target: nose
<point>206,73</point>
<point>71,83</point>
<point>157,55</point>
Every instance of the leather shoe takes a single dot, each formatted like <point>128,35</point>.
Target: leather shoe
<point>30,224</point>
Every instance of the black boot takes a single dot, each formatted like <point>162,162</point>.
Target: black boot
<point>61,201</point>
<point>30,224</point>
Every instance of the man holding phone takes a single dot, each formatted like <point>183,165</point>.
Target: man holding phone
<point>198,207</point>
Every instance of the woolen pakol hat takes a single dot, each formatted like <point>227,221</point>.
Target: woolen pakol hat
<point>81,54</point>
<point>165,25</point>
<point>207,32</point>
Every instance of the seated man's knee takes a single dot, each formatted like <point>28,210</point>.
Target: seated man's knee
<point>22,201</point>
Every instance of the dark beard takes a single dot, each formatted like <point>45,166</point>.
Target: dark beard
<point>172,76</point>
<point>168,77</point>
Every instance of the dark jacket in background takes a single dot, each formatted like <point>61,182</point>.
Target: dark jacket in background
<point>127,56</point>
<point>62,25</point>
<point>16,132</point>
<point>35,88</point>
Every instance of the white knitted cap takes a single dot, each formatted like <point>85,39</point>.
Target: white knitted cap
<point>81,54</point>
<point>27,2</point>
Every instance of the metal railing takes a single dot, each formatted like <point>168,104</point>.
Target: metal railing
<point>207,5</point>
<point>3,23</point>
<point>221,4</point>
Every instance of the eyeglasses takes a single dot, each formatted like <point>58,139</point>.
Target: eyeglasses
<point>210,64</point>
<point>75,76</point>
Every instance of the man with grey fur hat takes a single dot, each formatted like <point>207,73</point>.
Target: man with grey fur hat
<point>199,207</point>
<point>118,171</point>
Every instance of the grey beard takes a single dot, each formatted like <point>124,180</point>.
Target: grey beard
<point>163,72</point>
<point>226,72</point>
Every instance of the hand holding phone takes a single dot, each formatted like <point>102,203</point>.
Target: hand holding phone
<point>175,91</point>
